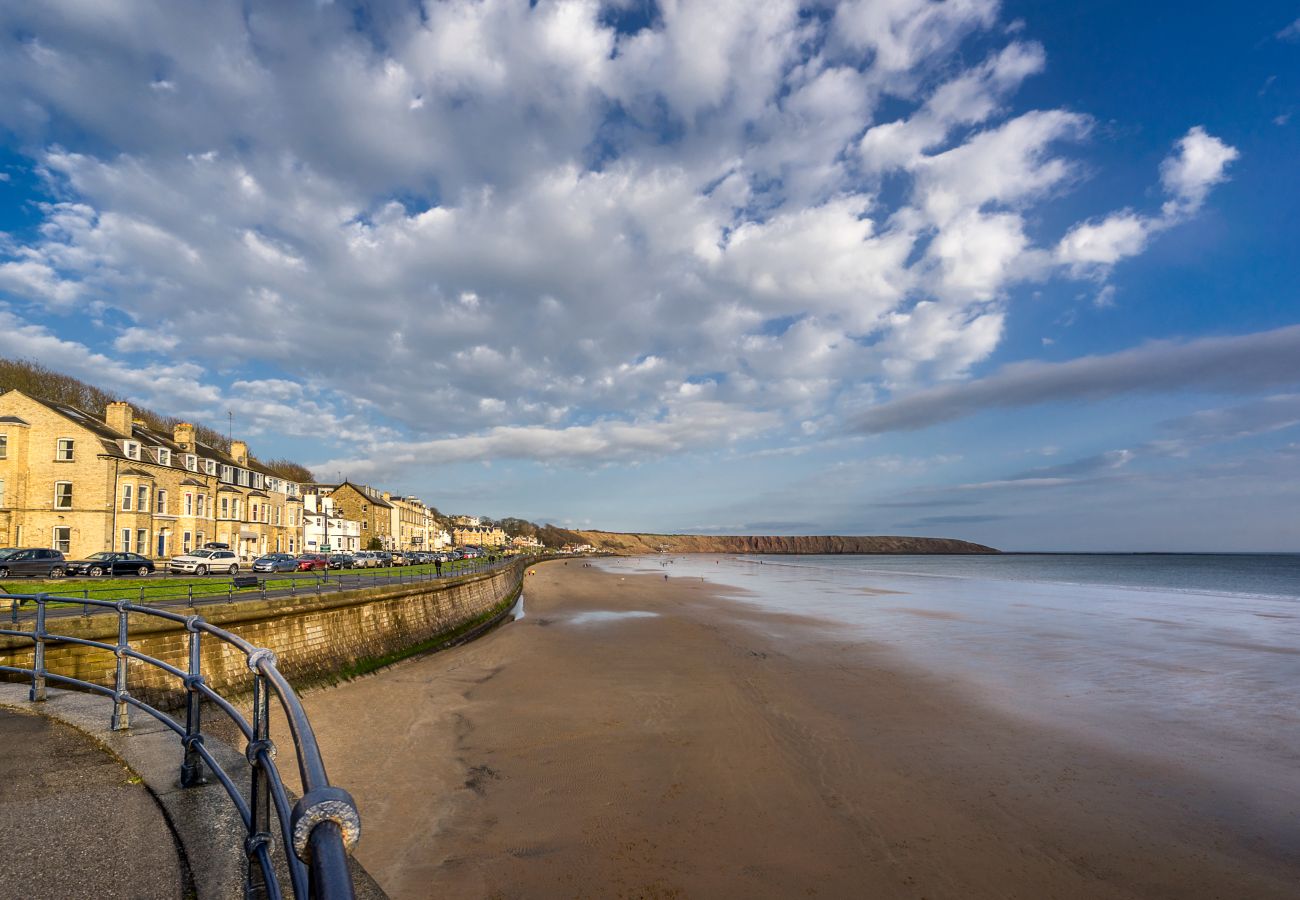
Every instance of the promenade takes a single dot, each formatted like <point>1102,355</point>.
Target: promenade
<point>76,822</point>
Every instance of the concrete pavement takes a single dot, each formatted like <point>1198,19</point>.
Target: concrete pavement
<point>76,822</point>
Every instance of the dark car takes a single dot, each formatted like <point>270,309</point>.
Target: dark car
<point>35,561</point>
<point>275,562</point>
<point>310,562</point>
<point>341,561</point>
<point>107,563</point>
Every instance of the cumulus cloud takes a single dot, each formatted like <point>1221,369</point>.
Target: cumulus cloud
<point>1244,363</point>
<point>530,230</point>
<point>1196,166</point>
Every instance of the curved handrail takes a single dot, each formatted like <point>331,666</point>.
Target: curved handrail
<point>320,829</point>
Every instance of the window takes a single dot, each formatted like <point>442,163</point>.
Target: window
<point>227,473</point>
<point>189,504</point>
<point>62,539</point>
<point>142,541</point>
<point>142,500</point>
<point>278,509</point>
<point>63,495</point>
<point>203,505</point>
<point>126,496</point>
<point>185,541</point>
<point>160,504</point>
<point>63,449</point>
<point>2,493</point>
<point>164,456</point>
<point>191,462</point>
<point>210,466</point>
<point>199,539</point>
<point>131,449</point>
<point>4,446</point>
<point>225,507</point>
<point>254,512</point>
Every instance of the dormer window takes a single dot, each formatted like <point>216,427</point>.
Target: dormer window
<point>227,473</point>
<point>164,456</point>
<point>210,466</point>
<point>131,449</point>
<point>191,462</point>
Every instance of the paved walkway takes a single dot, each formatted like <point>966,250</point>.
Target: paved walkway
<point>75,822</point>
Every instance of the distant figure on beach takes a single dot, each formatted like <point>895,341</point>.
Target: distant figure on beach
<point>665,576</point>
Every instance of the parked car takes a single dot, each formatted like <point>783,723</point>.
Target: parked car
<point>341,561</point>
<point>33,561</point>
<point>310,562</point>
<point>398,558</point>
<point>201,562</point>
<point>275,562</point>
<point>109,563</point>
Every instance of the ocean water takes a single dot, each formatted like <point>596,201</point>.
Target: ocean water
<point>1184,660</point>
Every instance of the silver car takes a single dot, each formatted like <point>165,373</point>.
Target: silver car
<point>201,562</point>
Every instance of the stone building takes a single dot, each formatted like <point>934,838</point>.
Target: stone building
<point>365,505</point>
<point>81,483</point>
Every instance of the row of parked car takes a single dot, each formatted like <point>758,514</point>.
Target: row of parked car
<point>212,558</point>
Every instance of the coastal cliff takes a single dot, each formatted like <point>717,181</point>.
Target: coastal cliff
<point>636,544</point>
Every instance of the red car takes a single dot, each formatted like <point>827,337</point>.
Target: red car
<point>309,562</point>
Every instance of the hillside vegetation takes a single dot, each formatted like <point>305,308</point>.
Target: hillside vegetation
<point>822,544</point>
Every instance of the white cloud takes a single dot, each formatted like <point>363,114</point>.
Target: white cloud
<point>495,224</point>
<point>1196,166</point>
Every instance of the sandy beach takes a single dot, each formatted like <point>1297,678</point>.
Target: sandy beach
<point>635,736</point>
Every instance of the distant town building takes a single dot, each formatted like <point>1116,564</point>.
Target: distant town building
<point>478,536</point>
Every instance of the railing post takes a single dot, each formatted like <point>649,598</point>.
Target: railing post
<point>192,762</point>
<point>259,786</point>
<point>37,692</point>
<point>189,593</point>
<point>13,610</point>
<point>121,720</point>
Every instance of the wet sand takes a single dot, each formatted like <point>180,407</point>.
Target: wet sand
<point>706,749</point>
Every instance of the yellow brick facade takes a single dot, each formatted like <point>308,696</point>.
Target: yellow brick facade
<point>121,486</point>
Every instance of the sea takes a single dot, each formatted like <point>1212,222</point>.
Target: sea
<point>1189,661</point>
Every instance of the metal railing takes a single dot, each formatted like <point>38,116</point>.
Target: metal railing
<point>158,592</point>
<point>321,828</point>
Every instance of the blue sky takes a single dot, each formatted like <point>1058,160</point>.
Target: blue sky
<point>1012,272</point>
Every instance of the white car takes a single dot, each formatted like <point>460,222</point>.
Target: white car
<point>365,559</point>
<point>201,562</point>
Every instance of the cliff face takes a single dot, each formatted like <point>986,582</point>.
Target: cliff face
<point>636,544</point>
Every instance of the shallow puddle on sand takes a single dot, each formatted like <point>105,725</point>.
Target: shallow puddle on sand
<point>597,616</point>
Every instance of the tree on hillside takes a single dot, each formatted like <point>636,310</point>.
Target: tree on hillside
<point>289,470</point>
<point>37,380</point>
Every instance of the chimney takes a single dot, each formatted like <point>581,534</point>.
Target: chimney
<point>387,495</point>
<point>183,434</point>
<point>239,450</point>
<point>118,417</point>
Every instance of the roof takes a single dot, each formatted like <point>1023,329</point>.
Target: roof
<point>148,437</point>
<point>366,491</point>
<point>12,420</point>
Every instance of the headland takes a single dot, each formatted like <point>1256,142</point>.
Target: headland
<point>639,544</point>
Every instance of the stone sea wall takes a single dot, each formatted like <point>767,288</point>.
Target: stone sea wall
<point>316,640</point>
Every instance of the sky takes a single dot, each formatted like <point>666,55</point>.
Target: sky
<point>1023,273</point>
